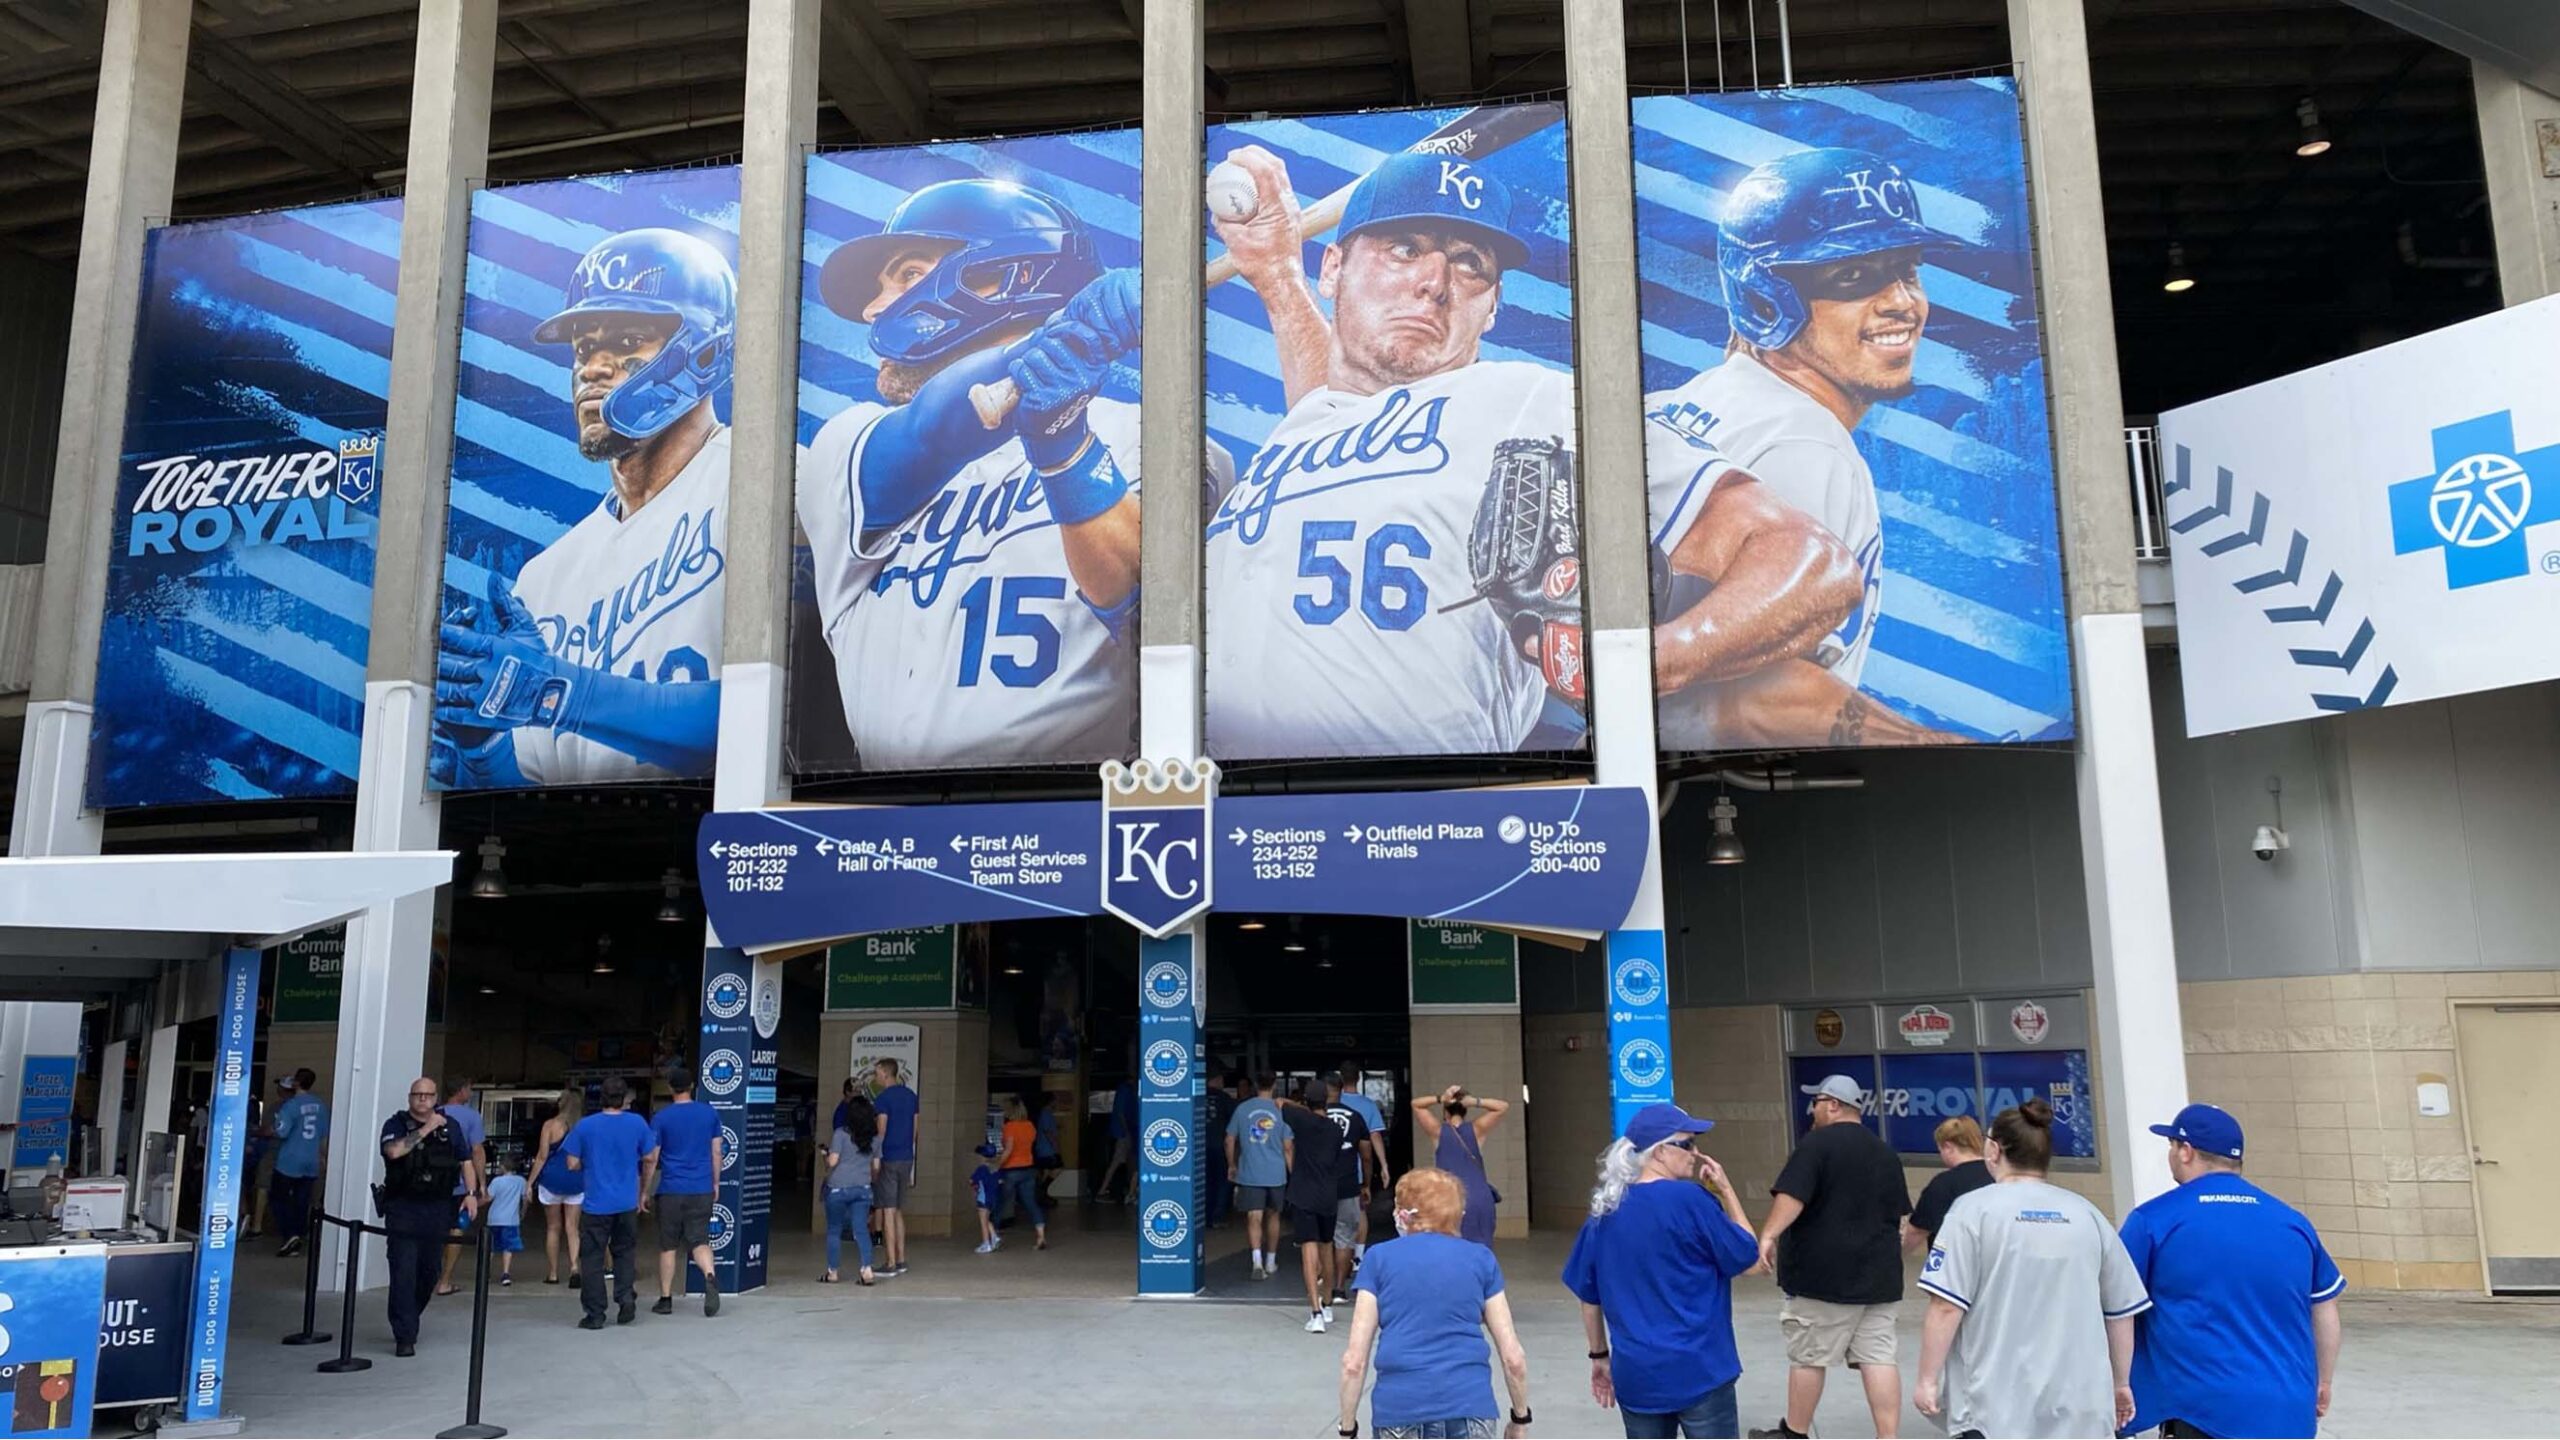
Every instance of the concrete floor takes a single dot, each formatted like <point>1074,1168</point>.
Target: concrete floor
<point>1024,1343</point>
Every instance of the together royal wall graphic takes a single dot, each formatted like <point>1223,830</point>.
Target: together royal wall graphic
<point>586,544</point>
<point>1395,567</point>
<point>1849,465</point>
<point>966,590</point>
<point>239,583</point>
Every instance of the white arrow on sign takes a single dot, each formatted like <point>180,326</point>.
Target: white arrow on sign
<point>1350,832</point>
<point>718,849</point>
<point>1237,836</point>
<point>826,847</point>
<point>959,843</point>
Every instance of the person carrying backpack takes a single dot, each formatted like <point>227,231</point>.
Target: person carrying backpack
<point>424,1159</point>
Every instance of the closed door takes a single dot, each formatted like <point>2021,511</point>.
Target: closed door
<point>2511,1089</point>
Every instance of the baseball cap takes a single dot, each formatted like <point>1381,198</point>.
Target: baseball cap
<point>1658,1122</point>
<point>2208,1128</point>
<point>1837,1087</point>
<point>284,1082</point>
<point>1414,189</point>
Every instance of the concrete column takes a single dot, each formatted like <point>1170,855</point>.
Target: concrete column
<point>2524,191</point>
<point>382,1005</point>
<point>2123,863</point>
<point>1616,568</point>
<point>781,126</point>
<point>133,161</point>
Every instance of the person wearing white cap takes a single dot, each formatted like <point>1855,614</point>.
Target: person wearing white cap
<point>1834,1237</point>
<point>1654,1269</point>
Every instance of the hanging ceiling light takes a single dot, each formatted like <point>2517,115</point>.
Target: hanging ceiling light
<point>1725,847</point>
<point>491,882</point>
<point>1249,925</point>
<point>2179,279</point>
<point>604,955</point>
<point>488,989</point>
<point>671,910</point>
<point>2314,139</point>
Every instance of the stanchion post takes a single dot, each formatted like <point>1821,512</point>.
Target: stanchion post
<point>348,1360</point>
<point>471,1428</point>
<point>308,1334</point>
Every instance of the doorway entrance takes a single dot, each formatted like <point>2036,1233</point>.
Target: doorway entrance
<point>2509,1057</point>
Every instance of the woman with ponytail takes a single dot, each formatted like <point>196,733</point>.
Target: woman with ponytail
<point>2032,1299</point>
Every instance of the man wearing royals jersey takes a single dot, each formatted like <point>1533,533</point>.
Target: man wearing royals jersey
<point>976,583</point>
<point>600,661</point>
<point>1336,559</point>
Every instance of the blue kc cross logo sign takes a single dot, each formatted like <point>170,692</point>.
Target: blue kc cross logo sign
<point>2479,503</point>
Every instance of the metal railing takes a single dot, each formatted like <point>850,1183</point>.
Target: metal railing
<point>2142,471</point>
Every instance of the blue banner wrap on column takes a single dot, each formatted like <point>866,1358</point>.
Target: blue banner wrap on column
<point>1172,1183</point>
<point>1639,1024</point>
<point>226,1149</point>
<point>54,1297</point>
<point>741,1010</point>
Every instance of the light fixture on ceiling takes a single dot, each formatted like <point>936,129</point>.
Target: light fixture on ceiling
<point>488,989</point>
<point>1724,847</point>
<point>1249,925</point>
<point>1324,953</point>
<point>604,955</point>
<point>670,910</point>
<point>491,882</point>
<point>1014,970</point>
<point>2179,279</point>
<point>2314,139</point>
<point>1294,945</point>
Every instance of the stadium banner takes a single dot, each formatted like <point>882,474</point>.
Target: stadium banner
<point>239,597</point>
<point>583,556</point>
<point>965,589</point>
<point>1394,567</point>
<point>1847,449</point>
<point>2374,531</point>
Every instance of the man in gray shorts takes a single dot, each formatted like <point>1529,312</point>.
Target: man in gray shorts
<point>688,1169</point>
<point>896,1101</point>
<point>1258,1159</point>
<point>1351,1190</point>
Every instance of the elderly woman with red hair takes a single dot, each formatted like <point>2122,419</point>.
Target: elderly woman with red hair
<point>1426,1301</point>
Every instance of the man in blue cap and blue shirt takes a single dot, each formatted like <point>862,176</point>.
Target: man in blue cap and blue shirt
<point>2243,1330</point>
<point>1397,424</point>
<point>1654,1269</point>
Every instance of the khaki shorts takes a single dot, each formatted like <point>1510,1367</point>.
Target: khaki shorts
<point>1821,1334</point>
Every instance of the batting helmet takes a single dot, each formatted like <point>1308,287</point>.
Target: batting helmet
<point>657,272</point>
<point>1005,252</point>
<point>1805,209</point>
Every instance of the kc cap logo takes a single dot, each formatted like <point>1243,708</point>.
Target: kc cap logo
<point>1168,1063</point>
<point>722,1071</point>
<point>1641,1063</point>
<point>1892,194</point>
<point>1168,984</point>
<point>2478,503</point>
<point>1168,1141</point>
<point>1155,831</point>
<point>1166,1224</point>
<point>726,996</point>
<point>1467,189</point>
<point>1638,980</point>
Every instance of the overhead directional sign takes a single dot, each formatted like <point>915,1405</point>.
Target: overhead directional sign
<point>1561,858</point>
<point>772,877</point>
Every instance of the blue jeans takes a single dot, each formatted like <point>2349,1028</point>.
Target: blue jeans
<point>1713,1414</point>
<point>848,1213</point>
<point>1022,1189</point>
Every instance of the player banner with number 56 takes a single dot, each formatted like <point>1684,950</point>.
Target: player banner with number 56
<point>1395,567</point>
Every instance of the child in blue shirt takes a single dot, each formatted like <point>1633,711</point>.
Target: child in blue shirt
<point>983,1183</point>
<point>506,1222</point>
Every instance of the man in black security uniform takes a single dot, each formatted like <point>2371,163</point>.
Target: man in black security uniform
<point>1313,1151</point>
<point>1834,1237</point>
<point>424,1159</point>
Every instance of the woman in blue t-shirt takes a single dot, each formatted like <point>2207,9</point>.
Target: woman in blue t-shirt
<point>1428,1300</point>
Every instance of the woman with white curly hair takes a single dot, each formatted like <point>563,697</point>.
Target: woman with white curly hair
<point>1654,1269</point>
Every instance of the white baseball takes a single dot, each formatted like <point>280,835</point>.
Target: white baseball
<point>1231,193</point>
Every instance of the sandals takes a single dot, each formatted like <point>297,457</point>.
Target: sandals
<point>830,1278</point>
<point>864,1280</point>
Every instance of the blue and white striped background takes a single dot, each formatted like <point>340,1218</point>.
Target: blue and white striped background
<point>239,674</point>
<point>1972,637</point>
<point>519,482</point>
<point>1326,152</point>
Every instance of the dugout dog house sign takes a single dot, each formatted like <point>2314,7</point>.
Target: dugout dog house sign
<point>1564,858</point>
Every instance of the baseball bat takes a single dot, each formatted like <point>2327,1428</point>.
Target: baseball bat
<point>1472,136</point>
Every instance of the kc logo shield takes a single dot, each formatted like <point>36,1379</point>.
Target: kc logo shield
<point>359,461</point>
<point>1155,834</point>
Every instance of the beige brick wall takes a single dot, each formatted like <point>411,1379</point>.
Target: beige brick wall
<point>1481,1052</point>
<point>2321,1071</point>
<point>1568,1112</point>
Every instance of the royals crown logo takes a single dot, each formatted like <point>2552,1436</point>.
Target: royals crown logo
<point>359,458</point>
<point>1155,841</point>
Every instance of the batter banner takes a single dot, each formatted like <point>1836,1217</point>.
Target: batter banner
<point>1395,568</point>
<point>1847,448</point>
<point>966,587</point>
<point>240,580</point>
<point>590,502</point>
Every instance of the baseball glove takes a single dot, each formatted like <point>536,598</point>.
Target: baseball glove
<point>1525,555</point>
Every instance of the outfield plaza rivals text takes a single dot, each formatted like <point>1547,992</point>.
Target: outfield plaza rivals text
<point>190,502</point>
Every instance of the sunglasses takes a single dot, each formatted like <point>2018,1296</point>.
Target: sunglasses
<point>1683,1143</point>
